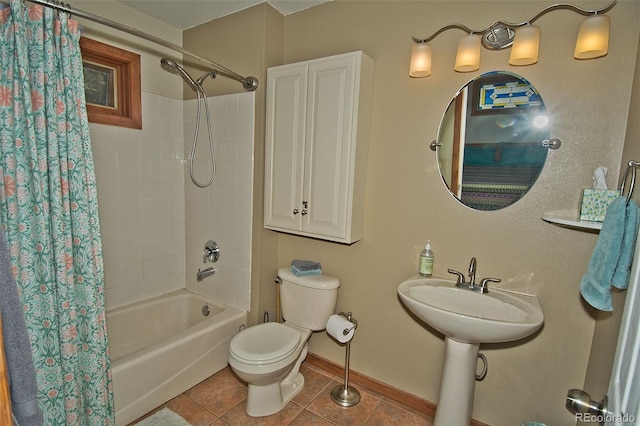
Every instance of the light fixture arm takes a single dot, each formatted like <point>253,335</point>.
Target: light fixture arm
<point>571,7</point>
<point>558,6</point>
<point>443,29</point>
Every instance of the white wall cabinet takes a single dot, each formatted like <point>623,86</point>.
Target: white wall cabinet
<point>317,131</point>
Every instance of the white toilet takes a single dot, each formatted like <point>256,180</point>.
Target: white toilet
<point>268,356</point>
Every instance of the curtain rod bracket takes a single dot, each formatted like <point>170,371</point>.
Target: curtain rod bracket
<point>250,84</point>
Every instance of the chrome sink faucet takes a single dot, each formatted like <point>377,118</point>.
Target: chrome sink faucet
<point>483,287</point>
<point>472,272</point>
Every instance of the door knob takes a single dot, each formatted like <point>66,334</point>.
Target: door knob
<point>579,402</point>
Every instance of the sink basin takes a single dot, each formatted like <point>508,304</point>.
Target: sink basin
<point>468,316</point>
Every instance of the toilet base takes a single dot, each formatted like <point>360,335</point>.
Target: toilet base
<point>269,399</point>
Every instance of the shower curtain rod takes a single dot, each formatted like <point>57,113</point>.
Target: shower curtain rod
<point>249,83</point>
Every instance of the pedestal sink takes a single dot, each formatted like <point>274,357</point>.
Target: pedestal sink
<point>467,319</point>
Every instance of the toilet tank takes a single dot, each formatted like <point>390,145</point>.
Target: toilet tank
<point>307,301</point>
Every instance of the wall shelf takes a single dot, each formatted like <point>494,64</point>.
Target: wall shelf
<point>569,219</point>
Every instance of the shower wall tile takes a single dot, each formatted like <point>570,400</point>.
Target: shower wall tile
<point>106,166</point>
<point>128,180</point>
<point>230,129</point>
<point>246,106</point>
<point>221,212</point>
<point>141,201</point>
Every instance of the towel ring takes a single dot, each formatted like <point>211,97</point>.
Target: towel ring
<point>631,166</point>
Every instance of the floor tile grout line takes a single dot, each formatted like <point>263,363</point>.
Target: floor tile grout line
<point>217,417</point>
<point>332,383</point>
<point>242,401</point>
<point>372,411</point>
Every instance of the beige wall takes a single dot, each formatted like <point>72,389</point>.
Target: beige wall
<point>406,203</point>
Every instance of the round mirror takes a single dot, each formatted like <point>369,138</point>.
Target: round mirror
<point>490,142</point>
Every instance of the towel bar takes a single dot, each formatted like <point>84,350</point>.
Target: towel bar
<point>631,166</point>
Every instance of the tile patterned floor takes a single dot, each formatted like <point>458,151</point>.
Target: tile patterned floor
<point>220,400</point>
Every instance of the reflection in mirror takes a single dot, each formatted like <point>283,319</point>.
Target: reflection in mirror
<point>489,145</point>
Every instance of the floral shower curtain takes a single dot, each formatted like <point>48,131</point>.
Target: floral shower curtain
<point>49,212</point>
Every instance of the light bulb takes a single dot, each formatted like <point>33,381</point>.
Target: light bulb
<point>593,37</point>
<point>420,60</point>
<point>468,56</point>
<point>525,46</point>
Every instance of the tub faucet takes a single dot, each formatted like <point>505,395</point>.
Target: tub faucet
<point>201,275</point>
<point>472,272</point>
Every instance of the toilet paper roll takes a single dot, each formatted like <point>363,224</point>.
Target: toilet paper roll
<point>340,328</point>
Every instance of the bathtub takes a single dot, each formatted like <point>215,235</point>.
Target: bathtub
<point>162,346</point>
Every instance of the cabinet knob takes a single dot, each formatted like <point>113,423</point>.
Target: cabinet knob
<point>296,211</point>
<point>304,212</point>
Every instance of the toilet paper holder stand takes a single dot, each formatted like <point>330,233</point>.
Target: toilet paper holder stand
<point>345,395</point>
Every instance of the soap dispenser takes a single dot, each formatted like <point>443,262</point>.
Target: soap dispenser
<point>426,261</point>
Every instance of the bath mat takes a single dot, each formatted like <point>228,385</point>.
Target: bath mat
<point>164,417</point>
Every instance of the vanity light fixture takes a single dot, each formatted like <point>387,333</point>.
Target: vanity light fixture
<point>592,42</point>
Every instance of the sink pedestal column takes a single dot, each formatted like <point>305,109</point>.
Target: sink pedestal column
<point>455,404</point>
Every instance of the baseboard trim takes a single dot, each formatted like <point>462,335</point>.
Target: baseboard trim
<point>418,404</point>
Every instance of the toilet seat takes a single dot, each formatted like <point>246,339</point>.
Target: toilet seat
<point>265,344</point>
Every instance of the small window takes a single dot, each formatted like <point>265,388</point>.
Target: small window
<point>112,84</point>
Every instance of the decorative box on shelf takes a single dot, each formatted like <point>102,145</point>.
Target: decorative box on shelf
<point>595,203</point>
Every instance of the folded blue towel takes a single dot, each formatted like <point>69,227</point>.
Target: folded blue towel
<point>305,265</point>
<point>303,273</point>
<point>610,263</point>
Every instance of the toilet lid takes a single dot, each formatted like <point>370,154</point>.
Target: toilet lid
<point>265,343</point>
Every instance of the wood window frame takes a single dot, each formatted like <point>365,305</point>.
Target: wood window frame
<point>127,111</point>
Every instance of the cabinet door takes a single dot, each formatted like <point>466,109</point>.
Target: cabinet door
<point>329,146</point>
<point>284,146</point>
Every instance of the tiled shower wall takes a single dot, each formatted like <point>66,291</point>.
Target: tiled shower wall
<point>144,190</point>
<point>221,212</point>
<point>141,201</point>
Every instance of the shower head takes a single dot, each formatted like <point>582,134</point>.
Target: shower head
<point>171,66</point>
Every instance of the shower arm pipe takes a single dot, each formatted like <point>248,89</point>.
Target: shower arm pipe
<point>249,83</point>
<point>557,6</point>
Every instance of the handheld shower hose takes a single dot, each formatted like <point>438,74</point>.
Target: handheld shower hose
<point>196,85</point>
